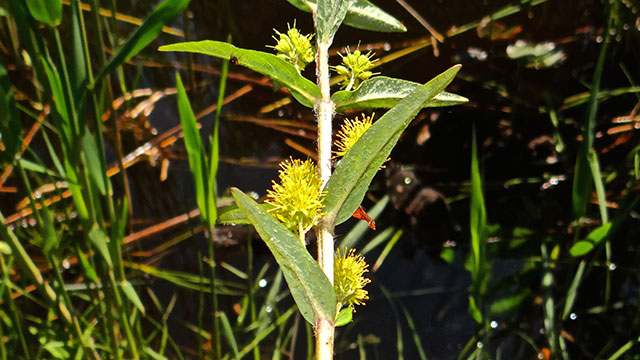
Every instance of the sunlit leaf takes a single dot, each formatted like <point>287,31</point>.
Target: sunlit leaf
<point>596,236</point>
<point>385,92</point>
<point>99,239</point>
<point>132,295</point>
<point>478,215</point>
<point>46,11</point>
<point>193,143</point>
<point>362,14</point>
<point>311,289</point>
<point>5,249</point>
<point>344,317</point>
<point>306,92</point>
<point>474,311</point>
<point>353,174</point>
<point>90,150</point>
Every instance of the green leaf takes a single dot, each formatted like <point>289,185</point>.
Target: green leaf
<point>329,15</point>
<point>385,92</point>
<point>88,269</point>
<point>99,239</point>
<point>60,102</point>
<point>142,36</point>
<point>131,294</point>
<point>306,92</point>
<point>79,74</point>
<point>90,151</point>
<point>478,217</point>
<point>31,166</point>
<point>595,237</point>
<point>227,332</point>
<point>49,237</point>
<point>344,317</point>
<point>5,249</point>
<point>9,120</point>
<point>310,288</point>
<point>581,190</point>
<point>231,215</point>
<point>362,14</point>
<point>56,349</point>
<point>153,354</point>
<point>475,313</point>
<point>509,303</point>
<point>349,183</point>
<point>46,11</point>
<point>195,152</point>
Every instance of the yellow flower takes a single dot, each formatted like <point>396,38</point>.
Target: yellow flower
<point>294,47</point>
<point>349,280</point>
<point>350,132</point>
<point>297,200</point>
<point>355,68</point>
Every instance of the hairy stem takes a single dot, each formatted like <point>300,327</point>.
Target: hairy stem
<point>324,111</point>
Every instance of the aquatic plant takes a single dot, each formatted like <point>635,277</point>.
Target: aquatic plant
<point>296,202</point>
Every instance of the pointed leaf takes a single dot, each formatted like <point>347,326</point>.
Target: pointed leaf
<point>594,238</point>
<point>90,151</point>
<point>195,152</point>
<point>310,288</point>
<point>344,317</point>
<point>46,11</point>
<point>99,239</point>
<point>385,92</point>
<point>142,36</point>
<point>306,92</point>
<point>60,102</point>
<point>49,236</point>
<point>9,121</point>
<point>349,183</point>
<point>132,295</point>
<point>475,313</point>
<point>478,215</point>
<point>31,166</point>
<point>362,14</point>
<point>5,249</point>
<point>328,17</point>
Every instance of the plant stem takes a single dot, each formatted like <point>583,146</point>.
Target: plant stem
<point>324,111</point>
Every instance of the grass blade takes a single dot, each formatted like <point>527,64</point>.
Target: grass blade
<point>581,177</point>
<point>142,36</point>
<point>195,152</point>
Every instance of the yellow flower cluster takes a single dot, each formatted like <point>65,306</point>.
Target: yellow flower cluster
<point>349,280</point>
<point>350,132</point>
<point>295,48</point>
<point>355,68</point>
<point>297,200</point>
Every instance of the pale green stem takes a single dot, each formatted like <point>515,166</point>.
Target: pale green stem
<point>324,111</point>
